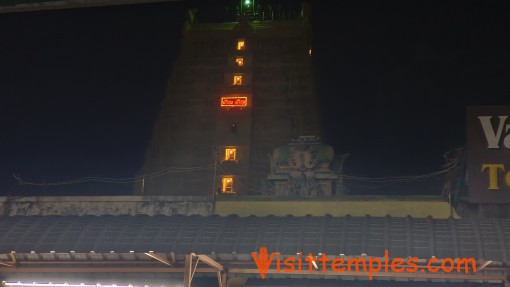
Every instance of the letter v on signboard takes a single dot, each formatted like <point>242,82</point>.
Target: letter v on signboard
<point>492,136</point>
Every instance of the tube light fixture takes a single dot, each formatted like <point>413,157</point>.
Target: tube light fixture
<point>51,284</point>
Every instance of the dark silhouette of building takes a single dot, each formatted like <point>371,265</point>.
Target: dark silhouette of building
<point>238,91</point>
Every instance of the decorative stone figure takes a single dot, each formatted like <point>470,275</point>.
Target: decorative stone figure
<point>302,168</point>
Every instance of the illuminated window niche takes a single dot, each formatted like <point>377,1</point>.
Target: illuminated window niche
<point>238,80</point>
<point>232,102</point>
<point>239,61</point>
<point>230,154</point>
<point>227,184</point>
<point>241,45</point>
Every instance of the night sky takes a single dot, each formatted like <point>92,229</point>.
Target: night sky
<point>80,89</point>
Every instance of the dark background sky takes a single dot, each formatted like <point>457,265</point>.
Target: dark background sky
<point>80,88</point>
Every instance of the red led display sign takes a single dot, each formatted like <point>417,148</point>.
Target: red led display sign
<point>234,101</point>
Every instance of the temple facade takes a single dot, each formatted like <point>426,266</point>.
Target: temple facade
<point>238,91</point>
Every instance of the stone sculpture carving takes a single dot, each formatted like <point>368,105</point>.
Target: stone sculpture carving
<point>302,168</point>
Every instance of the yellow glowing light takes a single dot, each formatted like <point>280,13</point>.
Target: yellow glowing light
<point>234,101</point>
<point>240,61</point>
<point>230,154</point>
<point>227,184</point>
<point>240,45</point>
<point>310,52</point>
<point>238,80</point>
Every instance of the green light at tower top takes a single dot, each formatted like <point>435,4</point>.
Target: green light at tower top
<point>247,7</point>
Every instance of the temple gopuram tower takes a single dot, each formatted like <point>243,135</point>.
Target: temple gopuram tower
<point>238,90</point>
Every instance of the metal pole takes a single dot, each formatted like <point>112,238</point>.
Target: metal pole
<point>214,176</point>
<point>450,203</point>
<point>188,276</point>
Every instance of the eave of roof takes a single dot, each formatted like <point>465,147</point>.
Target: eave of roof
<point>484,239</point>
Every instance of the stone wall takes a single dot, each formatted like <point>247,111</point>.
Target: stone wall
<point>338,207</point>
<point>105,205</point>
<point>179,158</point>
